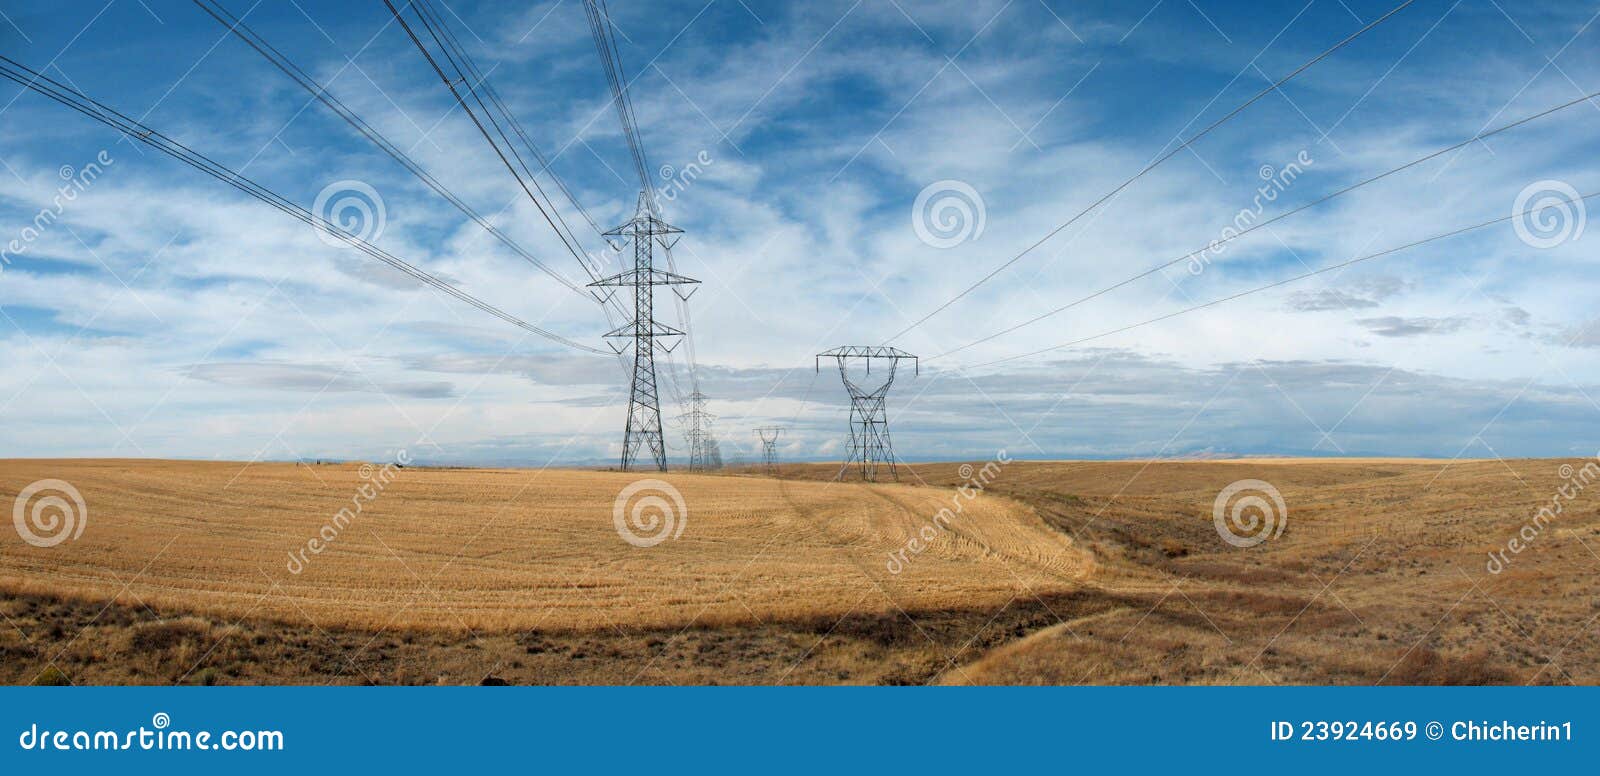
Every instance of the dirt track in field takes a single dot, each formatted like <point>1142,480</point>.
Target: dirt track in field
<point>1060,572</point>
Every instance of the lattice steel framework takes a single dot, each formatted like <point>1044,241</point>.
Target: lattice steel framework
<point>869,423</point>
<point>769,446</point>
<point>704,455</point>
<point>645,231</point>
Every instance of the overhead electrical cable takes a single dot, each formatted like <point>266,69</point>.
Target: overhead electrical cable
<point>602,31</point>
<point>317,90</point>
<point>481,81</point>
<point>475,82</point>
<point>78,101</point>
<point>461,79</point>
<point>1211,247</point>
<point>1276,284</point>
<point>1152,165</point>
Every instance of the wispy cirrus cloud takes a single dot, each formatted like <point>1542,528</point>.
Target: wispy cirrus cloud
<point>1396,326</point>
<point>310,377</point>
<point>192,321</point>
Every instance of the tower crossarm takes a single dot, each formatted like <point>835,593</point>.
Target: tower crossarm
<point>642,438</point>
<point>643,224</point>
<point>868,353</point>
<point>637,277</point>
<point>632,329</point>
<point>869,423</point>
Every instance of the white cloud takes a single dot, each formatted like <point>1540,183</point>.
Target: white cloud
<point>206,317</point>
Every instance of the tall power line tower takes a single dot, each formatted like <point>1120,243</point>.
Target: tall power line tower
<point>704,455</point>
<point>645,230</point>
<point>769,446</point>
<point>869,423</point>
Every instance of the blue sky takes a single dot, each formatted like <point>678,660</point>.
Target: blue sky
<point>165,315</point>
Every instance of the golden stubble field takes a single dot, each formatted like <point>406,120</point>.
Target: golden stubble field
<point>1060,572</point>
<point>511,550</point>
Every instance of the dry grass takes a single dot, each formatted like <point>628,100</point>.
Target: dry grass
<point>1068,572</point>
<point>509,550</point>
<point>1379,577</point>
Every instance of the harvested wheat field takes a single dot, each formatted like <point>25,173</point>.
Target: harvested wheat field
<point>508,550</point>
<point>1057,572</point>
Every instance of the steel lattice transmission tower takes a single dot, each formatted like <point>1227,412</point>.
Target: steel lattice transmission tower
<point>769,446</point>
<point>645,230</point>
<point>869,423</point>
<point>704,454</point>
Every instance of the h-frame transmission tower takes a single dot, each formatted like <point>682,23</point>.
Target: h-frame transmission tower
<point>769,446</point>
<point>645,230</point>
<point>869,423</point>
<point>704,454</point>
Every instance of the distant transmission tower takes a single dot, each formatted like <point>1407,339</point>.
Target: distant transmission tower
<point>644,406</point>
<point>869,424</point>
<point>769,446</point>
<point>704,455</point>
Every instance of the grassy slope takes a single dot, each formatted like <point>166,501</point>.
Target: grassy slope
<point>1379,576</point>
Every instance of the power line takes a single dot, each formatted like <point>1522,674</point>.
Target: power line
<point>1269,286</point>
<point>601,29</point>
<point>701,439</point>
<point>481,81</point>
<point>317,90</point>
<point>769,447</point>
<point>72,98</point>
<point>642,434</point>
<point>469,77</point>
<point>462,78</point>
<point>1230,238</point>
<point>477,83</point>
<point>1151,166</point>
<point>869,421</point>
